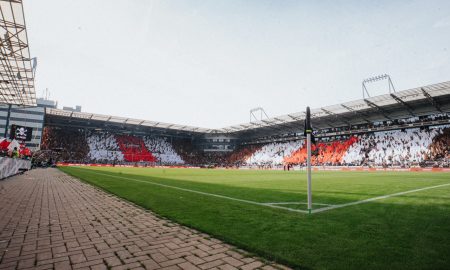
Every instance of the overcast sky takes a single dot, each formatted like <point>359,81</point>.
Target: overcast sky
<point>207,63</point>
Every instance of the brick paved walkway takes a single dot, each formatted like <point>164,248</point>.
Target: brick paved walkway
<point>49,220</point>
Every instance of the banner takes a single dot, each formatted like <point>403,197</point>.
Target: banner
<point>12,166</point>
<point>21,133</point>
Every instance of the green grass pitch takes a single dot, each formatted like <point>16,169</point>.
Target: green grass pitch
<point>264,212</point>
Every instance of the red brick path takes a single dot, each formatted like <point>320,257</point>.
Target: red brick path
<point>49,220</point>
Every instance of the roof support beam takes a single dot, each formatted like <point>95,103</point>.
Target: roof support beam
<point>362,115</point>
<point>294,118</point>
<point>406,105</point>
<point>291,126</point>
<point>323,121</point>
<point>273,124</point>
<point>330,124</point>
<point>342,118</point>
<point>431,99</point>
<point>269,125</point>
<point>378,108</point>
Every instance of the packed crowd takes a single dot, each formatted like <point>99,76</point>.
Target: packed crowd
<point>324,153</point>
<point>273,154</point>
<point>103,148</point>
<point>68,145</point>
<point>392,148</point>
<point>403,148</point>
<point>163,151</point>
<point>400,123</point>
<point>134,149</point>
<point>407,147</point>
<point>440,149</point>
<point>239,156</point>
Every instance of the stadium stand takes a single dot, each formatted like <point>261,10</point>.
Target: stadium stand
<point>397,147</point>
<point>272,154</point>
<point>163,150</point>
<point>402,148</point>
<point>133,149</point>
<point>426,146</point>
<point>186,151</point>
<point>325,153</point>
<point>239,156</point>
<point>402,129</point>
<point>440,149</point>
<point>67,144</point>
<point>103,148</point>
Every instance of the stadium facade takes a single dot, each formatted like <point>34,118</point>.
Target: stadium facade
<point>25,116</point>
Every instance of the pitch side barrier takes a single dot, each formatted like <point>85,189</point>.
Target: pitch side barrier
<point>391,169</point>
<point>355,168</point>
<point>13,166</point>
<point>321,168</point>
<point>63,164</point>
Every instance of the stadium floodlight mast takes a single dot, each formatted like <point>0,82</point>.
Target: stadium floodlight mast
<point>254,114</point>
<point>375,79</point>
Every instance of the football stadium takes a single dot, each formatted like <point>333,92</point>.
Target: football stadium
<point>359,184</point>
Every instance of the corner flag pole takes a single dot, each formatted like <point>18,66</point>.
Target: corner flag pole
<point>308,145</point>
<point>308,133</point>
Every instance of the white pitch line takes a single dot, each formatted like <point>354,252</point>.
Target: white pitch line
<point>376,198</point>
<point>204,193</point>
<point>281,203</point>
<point>271,204</point>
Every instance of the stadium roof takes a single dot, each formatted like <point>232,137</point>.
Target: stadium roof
<point>418,101</point>
<point>124,121</point>
<point>16,69</point>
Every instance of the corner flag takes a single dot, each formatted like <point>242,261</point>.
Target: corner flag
<point>308,127</point>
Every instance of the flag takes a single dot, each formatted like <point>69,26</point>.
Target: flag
<point>308,127</point>
<point>14,144</point>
